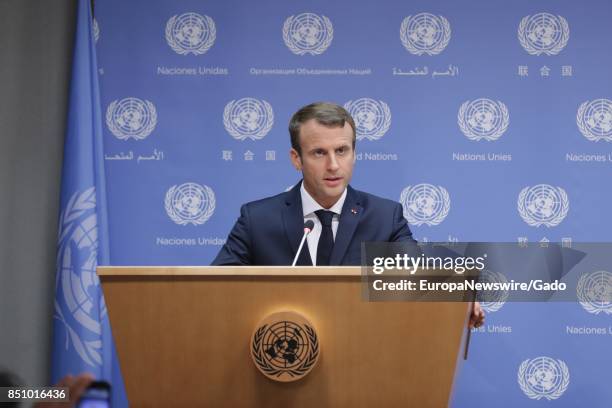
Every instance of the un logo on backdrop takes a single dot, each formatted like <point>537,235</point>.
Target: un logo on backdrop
<point>372,118</point>
<point>308,33</point>
<point>543,204</point>
<point>425,33</point>
<point>190,33</point>
<point>190,203</point>
<point>131,118</point>
<point>543,33</point>
<point>594,119</point>
<point>492,300</point>
<point>248,118</point>
<point>594,292</point>
<point>483,119</point>
<point>425,204</point>
<point>543,377</point>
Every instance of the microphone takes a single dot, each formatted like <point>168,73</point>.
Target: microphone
<point>308,226</point>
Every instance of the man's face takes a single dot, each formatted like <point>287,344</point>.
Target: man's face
<point>327,160</point>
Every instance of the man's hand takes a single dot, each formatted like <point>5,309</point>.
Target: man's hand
<point>477,317</point>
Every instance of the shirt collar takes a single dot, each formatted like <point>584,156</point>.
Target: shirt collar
<point>309,205</point>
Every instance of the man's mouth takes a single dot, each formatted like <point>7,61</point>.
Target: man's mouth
<point>332,181</point>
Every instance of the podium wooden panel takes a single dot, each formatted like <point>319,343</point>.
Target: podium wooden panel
<point>183,336</point>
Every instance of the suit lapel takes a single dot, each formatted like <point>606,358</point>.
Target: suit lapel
<point>293,220</point>
<point>349,219</point>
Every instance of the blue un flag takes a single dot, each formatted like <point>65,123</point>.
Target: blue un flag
<point>82,341</point>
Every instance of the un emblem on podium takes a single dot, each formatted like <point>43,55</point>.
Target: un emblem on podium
<point>543,377</point>
<point>594,120</point>
<point>543,33</point>
<point>285,346</point>
<point>308,33</point>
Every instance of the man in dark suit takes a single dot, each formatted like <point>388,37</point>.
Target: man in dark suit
<point>268,231</point>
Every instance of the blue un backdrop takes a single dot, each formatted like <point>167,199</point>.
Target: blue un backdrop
<point>488,121</point>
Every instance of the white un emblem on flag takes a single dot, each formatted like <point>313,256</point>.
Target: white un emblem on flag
<point>308,33</point>
<point>248,118</point>
<point>131,118</point>
<point>425,204</point>
<point>543,33</point>
<point>543,204</point>
<point>483,119</point>
<point>95,28</point>
<point>543,377</point>
<point>594,292</point>
<point>372,118</point>
<point>77,257</point>
<point>190,33</point>
<point>594,119</point>
<point>425,33</point>
<point>190,203</point>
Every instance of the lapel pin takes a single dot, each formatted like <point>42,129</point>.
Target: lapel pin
<point>354,210</point>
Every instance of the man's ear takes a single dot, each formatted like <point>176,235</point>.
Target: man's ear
<point>295,159</point>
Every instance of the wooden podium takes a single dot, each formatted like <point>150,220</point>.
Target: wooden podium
<point>183,335</point>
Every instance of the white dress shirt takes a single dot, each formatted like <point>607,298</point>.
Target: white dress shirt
<point>309,206</point>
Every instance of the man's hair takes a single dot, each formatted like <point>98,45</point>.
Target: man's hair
<point>325,113</point>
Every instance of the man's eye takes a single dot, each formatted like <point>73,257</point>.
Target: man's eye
<point>341,150</point>
<point>319,153</point>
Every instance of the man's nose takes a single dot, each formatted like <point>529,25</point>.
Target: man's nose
<point>333,162</point>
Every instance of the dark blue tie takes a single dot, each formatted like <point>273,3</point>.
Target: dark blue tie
<point>326,240</point>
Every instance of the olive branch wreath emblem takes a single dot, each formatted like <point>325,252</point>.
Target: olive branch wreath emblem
<point>266,367</point>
